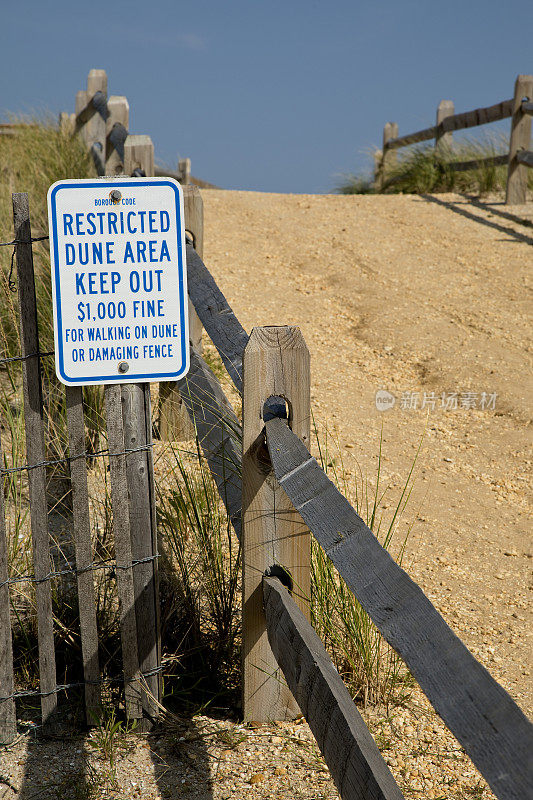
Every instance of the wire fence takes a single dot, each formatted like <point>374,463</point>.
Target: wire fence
<point>107,564</point>
<point>11,283</point>
<point>134,556</point>
<point>79,684</point>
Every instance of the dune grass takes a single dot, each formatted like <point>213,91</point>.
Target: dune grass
<point>421,168</point>
<point>31,161</point>
<point>372,670</point>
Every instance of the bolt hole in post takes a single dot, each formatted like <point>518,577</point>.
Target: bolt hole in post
<point>276,406</point>
<point>284,577</point>
<point>273,407</point>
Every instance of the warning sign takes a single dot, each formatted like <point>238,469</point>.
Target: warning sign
<point>119,280</point>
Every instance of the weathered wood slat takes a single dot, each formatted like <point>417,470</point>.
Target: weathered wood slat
<point>443,141</point>
<point>390,156</point>
<point>155,549</point>
<point>115,149</point>
<point>82,538</point>
<point>116,138</point>
<point>193,211</point>
<point>412,138</point>
<point>479,116</point>
<point>124,571</point>
<point>487,722</point>
<point>468,119</point>
<point>136,419</point>
<point>489,161</point>
<point>174,421</point>
<point>354,761</point>
<point>117,124</point>
<point>91,116</point>
<point>216,315</point>
<point>36,453</point>
<point>218,431</point>
<point>97,105</point>
<point>8,717</point>
<point>14,128</point>
<point>525,157</point>
<point>138,155</point>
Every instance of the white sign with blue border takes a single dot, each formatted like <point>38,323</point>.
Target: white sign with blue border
<point>119,280</point>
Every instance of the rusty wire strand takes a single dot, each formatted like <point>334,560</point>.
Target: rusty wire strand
<point>11,283</point>
<point>109,564</point>
<point>75,685</point>
<point>68,459</point>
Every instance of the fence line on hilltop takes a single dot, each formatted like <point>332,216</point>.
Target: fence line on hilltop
<point>520,155</point>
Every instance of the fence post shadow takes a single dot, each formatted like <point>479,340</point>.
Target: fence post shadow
<point>456,208</point>
<point>65,765</point>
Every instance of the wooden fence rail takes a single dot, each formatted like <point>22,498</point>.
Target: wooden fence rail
<point>491,727</point>
<point>518,159</point>
<point>493,730</point>
<point>354,761</point>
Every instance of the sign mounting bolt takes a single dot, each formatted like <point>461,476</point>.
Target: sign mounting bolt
<point>115,196</point>
<point>123,367</point>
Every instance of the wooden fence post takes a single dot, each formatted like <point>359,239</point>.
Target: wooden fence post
<point>193,207</point>
<point>137,427</point>
<point>139,155</point>
<point>390,157</point>
<point>129,428</point>
<point>84,556</point>
<point>174,421</point>
<point>8,717</point>
<point>275,363</point>
<point>93,129</point>
<point>119,114</point>
<point>184,171</point>
<point>520,140</point>
<point>36,454</point>
<point>444,141</point>
<point>136,432</point>
<point>121,531</point>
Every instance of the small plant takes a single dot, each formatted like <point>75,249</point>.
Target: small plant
<point>108,738</point>
<point>476,791</point>
<point>229,738</point>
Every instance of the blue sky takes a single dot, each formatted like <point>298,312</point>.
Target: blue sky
<point>272,96</point>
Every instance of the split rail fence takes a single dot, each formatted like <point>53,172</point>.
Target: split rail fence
<point>520,155</point>
<point>275,494</point>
